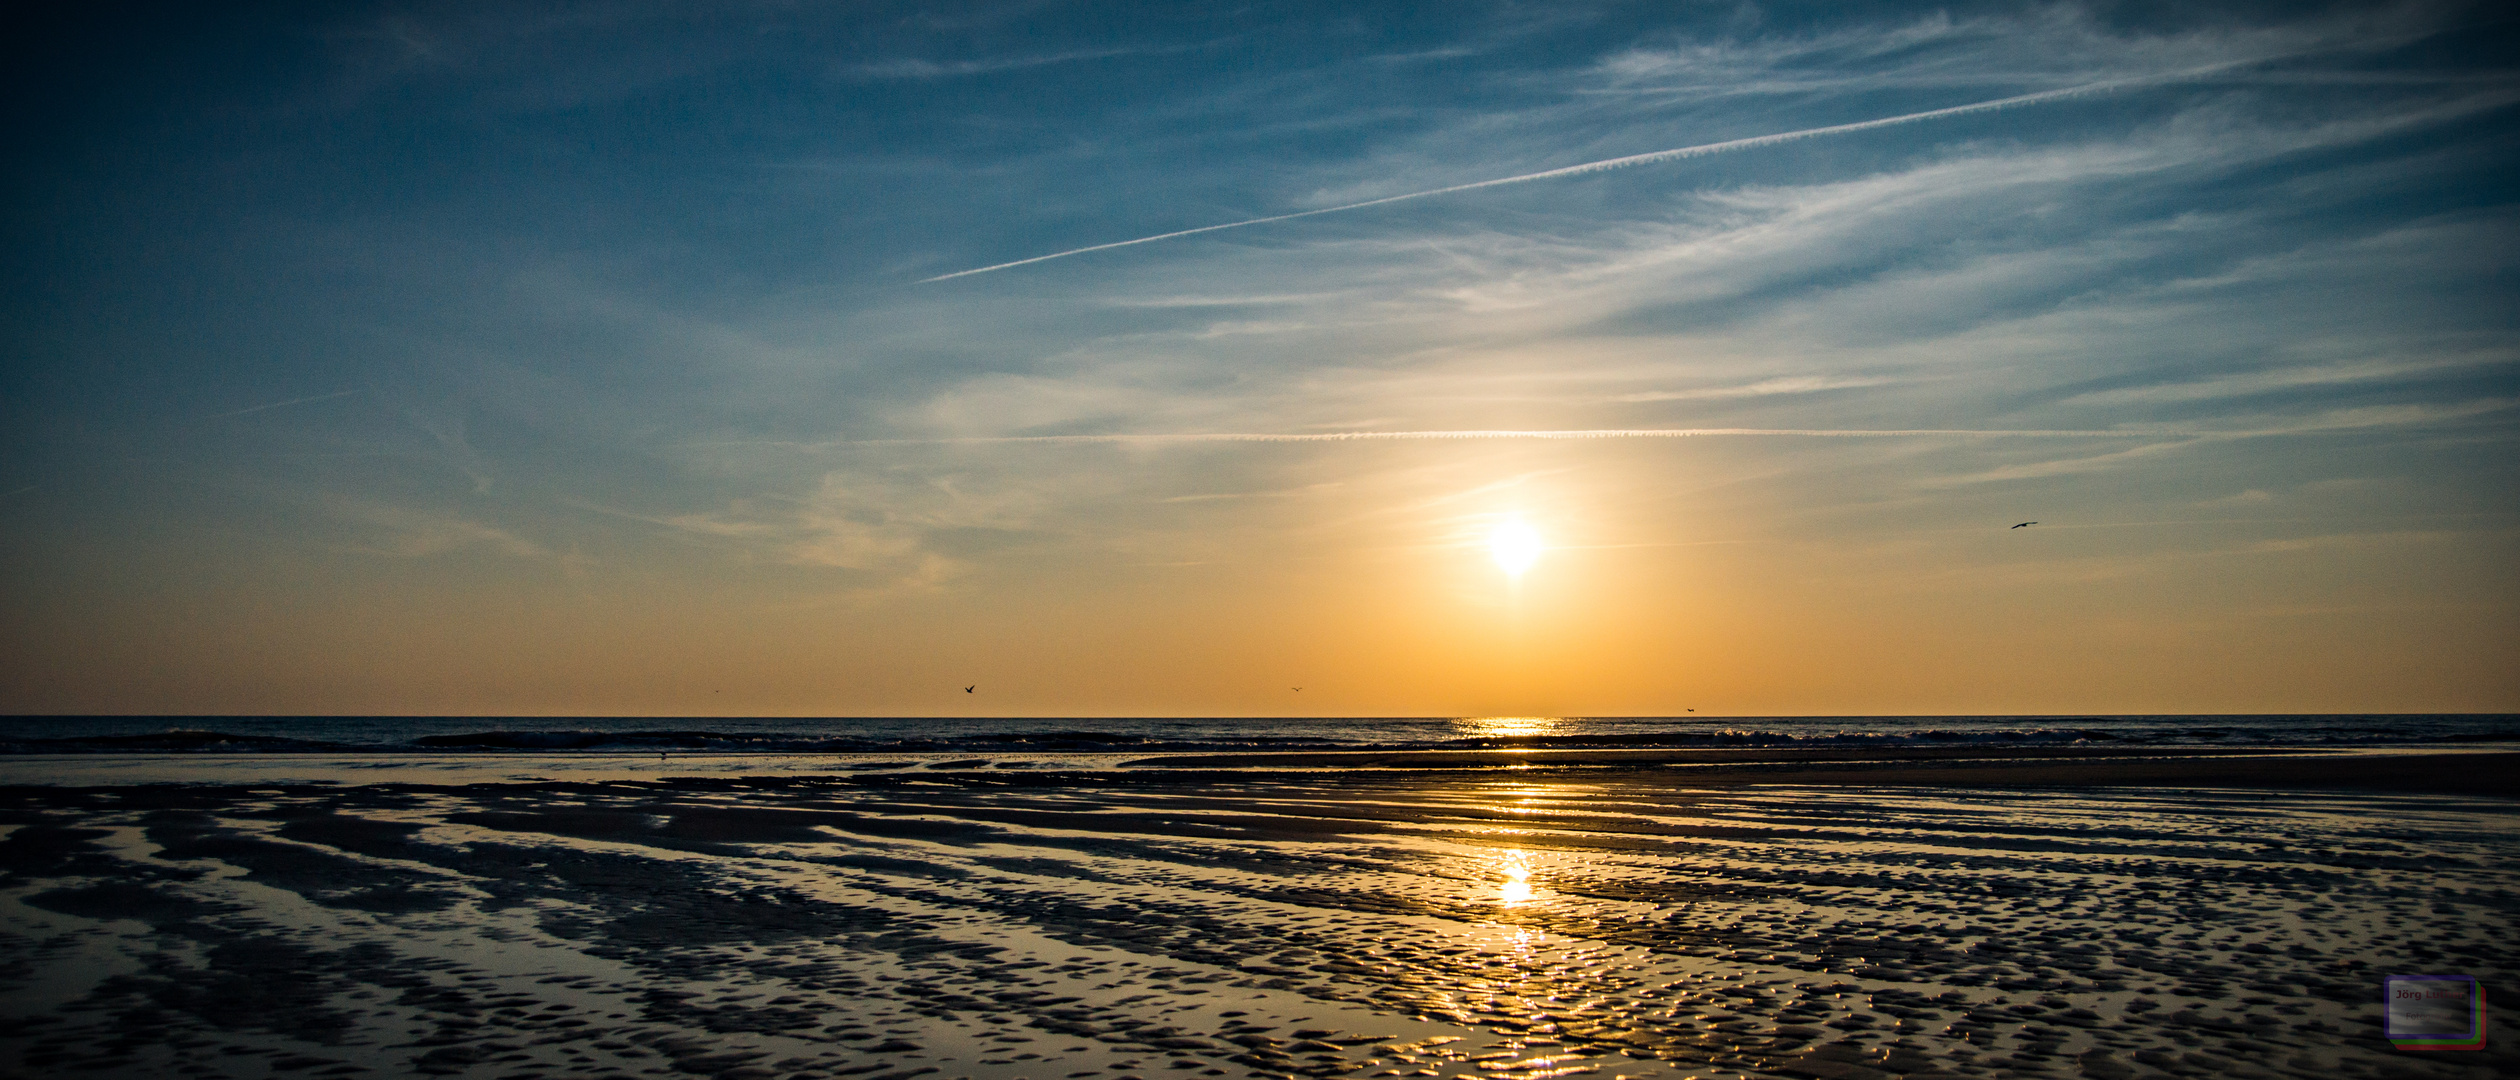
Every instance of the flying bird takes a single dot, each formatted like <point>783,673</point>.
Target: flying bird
<point>1297,689</point>
<point>972,689</point>
<point>2026,523</point>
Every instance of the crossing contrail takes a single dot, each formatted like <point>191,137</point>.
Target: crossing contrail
<point>1654,157</point>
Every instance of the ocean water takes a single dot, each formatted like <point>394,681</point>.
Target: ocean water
<point>1110,735</point>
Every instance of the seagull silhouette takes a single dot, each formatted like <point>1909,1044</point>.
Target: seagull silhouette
<point>972,689</point>
<point>1297,689</point>
<point>2025,523</point>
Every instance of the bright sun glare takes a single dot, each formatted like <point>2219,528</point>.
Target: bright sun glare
<point>1515,546</point>
<point>1516,888</point>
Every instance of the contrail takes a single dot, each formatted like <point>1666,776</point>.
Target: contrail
<point>1632,159</point>
<point>278,404</point>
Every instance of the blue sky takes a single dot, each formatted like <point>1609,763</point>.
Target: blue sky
<point>604,358</point>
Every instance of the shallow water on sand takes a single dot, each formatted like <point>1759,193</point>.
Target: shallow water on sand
<point>1106,925</point>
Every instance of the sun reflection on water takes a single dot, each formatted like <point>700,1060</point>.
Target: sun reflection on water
<point>1505,727</point>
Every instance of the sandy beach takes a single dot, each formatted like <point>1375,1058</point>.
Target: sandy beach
<point>1820,915</point>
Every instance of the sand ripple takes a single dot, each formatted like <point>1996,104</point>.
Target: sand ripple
<point>979,924</point>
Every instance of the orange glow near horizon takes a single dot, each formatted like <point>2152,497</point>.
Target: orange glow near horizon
<point>1375,595</point>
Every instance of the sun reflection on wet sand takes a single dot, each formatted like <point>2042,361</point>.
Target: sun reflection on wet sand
<point>1517,887</point>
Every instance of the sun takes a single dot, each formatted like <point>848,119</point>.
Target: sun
<point>1515,547</point>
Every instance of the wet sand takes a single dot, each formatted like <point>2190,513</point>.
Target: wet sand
<point>1815,917</point>
<point>2471,773</point>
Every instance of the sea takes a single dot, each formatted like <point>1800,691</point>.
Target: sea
<point>1133,735</point>
<point>105,750</point>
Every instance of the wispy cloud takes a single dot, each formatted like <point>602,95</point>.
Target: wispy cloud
<point>282,404</point>
<point>2278,380</point>
<point>915,68</point>
<point>1790,384</point>
<point>445,425</point>
<point>1451,436</point>
<point>1630,161</point>
<point>2064,466</point>
<point>1198,301</point>
<point>888,526</point>
<point>410,533</point>
<point>1287,493</point>
<point>2337,421</point>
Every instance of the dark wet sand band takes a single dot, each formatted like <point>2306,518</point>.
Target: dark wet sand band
<point>2463,773</point>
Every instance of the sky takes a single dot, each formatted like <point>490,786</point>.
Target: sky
<point>826,359</point>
